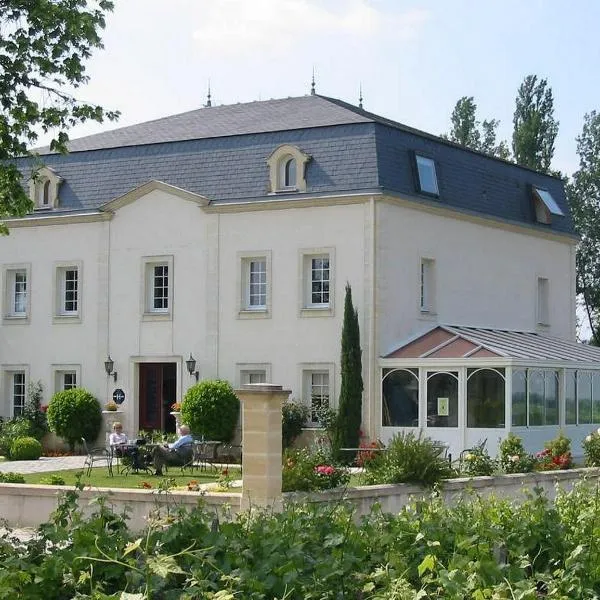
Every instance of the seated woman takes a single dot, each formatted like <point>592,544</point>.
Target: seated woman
<point>118,440</point>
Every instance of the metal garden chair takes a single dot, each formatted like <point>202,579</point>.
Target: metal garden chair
<point>95,456</point>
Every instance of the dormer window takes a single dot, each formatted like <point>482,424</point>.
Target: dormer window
<point>545,206</point>
<point>287,169</point>
<point>43,189</point>
<point>426,175</point>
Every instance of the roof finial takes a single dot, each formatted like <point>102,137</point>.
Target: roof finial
<point>312,85</point>
<point>360,98</point>
<point>208,101</point>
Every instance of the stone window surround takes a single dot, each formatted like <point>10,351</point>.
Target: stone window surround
<point>241,368</point>
<point>280,154</point>
<point>59,316</point>
<point>7,371</point>
<point>146,280</point>
<point>8,272</point>
<point>38,181</point>
<point>305,371</point>
<point>305,255</point>
<point>243,281</point>
<point>58,370</point>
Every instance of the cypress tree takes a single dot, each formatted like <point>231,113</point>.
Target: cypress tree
<point>350,401</point>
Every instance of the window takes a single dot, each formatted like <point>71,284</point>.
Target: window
<point>545,206</point>
<point>68,289</point>
<point>254,288</point>
<point>318,394</point>
<point>16,292</point>
<point>287,168</point>
<point>427,178</point>
<point>65,380</point>
<point>158,287</point>
<point>317,281</point>
<point>253,373</point>
<point>43,188</point>
<point>442,399</point>
<point>543,316</point>
<point>485,398</point>
<point>582,397</point>
<point>427,285</point>
<point>18,393</point>
<point>400,398</point>
<point>535,397</point>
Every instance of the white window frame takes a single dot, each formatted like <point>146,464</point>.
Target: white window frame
<point>8,383</point>
<point>426,162</point>
<point>244,308</point>
<point>427,287</point>
<point>9,276</point>
<point>61,314</point>
<point>307,307</point>
<point>245,370</point>
<point>149,263</point>
<point>543,302</point>
<point>307,370</point>
<point>59,372</point>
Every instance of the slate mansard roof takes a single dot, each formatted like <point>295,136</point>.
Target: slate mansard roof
<point>221,152</point>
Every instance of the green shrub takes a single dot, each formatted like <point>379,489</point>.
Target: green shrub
<point>310,469</point>
<point>409,459</point>
<point>73,414</point>
<point>53,479</point>
<point>11,430</point>
<point>294,417</point>
<point>33,410</point>
<point>591,449</point>
<point>11,478</point>
<point>555,455</point>
<point>25,448</point>
<point>211,409</point>
<point>513,458</point>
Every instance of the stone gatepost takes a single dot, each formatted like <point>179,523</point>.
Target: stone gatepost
<point>261,444</point>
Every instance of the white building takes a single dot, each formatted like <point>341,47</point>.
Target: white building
<point>229,233</point>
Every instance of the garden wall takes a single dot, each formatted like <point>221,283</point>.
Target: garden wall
<point>392,498</point>
<point>31,505</point>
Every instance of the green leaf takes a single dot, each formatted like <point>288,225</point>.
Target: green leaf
<point>163,565</point>
<point>427,564</point>
<point>132,546</point>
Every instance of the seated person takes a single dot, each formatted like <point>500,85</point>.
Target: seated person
<point>177,454</point>
<point>117,439</point>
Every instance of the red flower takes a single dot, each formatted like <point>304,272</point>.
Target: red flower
<point>146,485</point>
<point>324,470</point>
<point>44,408</point>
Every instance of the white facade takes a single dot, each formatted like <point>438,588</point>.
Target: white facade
<point>479,273</point>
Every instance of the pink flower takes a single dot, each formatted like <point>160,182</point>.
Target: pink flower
<point>324,470</point>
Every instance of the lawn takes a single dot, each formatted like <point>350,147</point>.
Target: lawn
<point>100,478</point>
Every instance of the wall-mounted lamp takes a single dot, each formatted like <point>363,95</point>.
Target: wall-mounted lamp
<point>108,366</point>
<point>191,367</point>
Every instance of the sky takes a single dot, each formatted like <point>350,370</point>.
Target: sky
<point>413,59</point>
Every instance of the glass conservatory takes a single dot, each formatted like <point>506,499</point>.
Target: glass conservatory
<point>464,385</point>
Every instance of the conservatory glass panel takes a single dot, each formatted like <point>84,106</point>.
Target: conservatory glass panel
<point>442,400</point>
<point>400,399</point>
<point>570,397</point>
<point>519,399</point>
<point>550,398</point>
<point>584,397</point>
<point>536,397</point>
<point>596,397</point>
<point>485,398</point>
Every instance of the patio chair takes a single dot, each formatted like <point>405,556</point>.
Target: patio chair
<point>95,456</point>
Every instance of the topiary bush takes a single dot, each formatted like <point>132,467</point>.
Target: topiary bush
<point>211,409</point>
<point>25,448</point>
<point>73,414</point>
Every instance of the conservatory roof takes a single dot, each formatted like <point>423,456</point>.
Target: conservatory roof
<point>451,341</point>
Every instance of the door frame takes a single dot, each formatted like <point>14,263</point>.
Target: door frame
<point>134,376</point>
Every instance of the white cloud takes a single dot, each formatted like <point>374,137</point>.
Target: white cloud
<point>242,27</point>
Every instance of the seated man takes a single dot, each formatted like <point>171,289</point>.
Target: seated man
<point>177,454</point>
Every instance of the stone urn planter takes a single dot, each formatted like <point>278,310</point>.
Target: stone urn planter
<point>177,416</point>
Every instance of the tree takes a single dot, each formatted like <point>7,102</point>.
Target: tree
<point>43,47</point>
<point>471,133</point>
<point>583,192</point>
<point>535,128</point>
<point>347,430</point>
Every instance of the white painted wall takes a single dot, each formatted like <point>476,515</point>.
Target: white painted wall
<point>485,276</point>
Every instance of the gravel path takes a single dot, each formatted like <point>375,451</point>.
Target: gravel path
<point>43,464</point>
